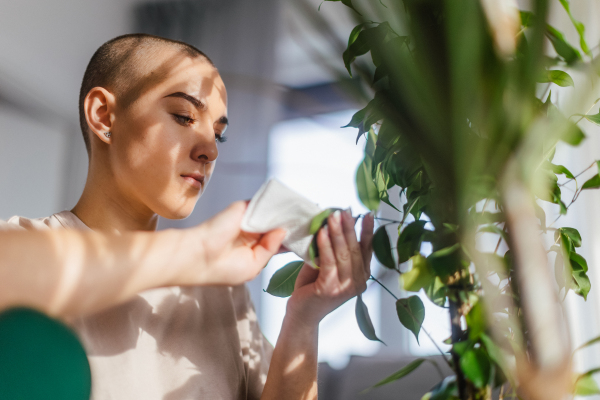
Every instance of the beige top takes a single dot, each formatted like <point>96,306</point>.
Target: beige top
<point>170,343</point>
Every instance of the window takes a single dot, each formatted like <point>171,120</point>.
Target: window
<point>318,159</point>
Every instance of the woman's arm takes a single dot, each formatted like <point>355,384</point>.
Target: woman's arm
<point>344,269</point>
<point>69,273</point>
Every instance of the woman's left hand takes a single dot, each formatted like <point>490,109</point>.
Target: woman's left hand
<point>344,268</point>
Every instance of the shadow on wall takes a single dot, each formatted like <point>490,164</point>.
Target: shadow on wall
<point>363,372</point>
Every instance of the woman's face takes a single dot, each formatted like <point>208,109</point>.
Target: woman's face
<point>165,144</point>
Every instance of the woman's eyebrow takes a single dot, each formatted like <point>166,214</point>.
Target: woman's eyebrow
<point>196,102</point>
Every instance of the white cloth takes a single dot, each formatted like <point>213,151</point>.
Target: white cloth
<point>277,206</point>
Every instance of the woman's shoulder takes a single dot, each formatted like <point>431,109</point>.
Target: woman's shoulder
<point>63,219</point>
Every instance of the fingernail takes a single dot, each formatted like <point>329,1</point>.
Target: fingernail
<point>337,216</point>
<point>348,212</point>
<point>326,230</point>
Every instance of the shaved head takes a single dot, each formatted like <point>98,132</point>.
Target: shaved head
<point>127,65</point>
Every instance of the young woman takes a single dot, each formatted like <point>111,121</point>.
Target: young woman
<point>153,114</point>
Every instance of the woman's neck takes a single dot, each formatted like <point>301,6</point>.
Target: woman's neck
<point>103,207</point>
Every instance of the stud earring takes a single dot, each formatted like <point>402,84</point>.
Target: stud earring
<point>107,134</point>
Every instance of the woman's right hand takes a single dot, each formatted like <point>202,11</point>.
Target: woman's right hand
<point>225,254</point>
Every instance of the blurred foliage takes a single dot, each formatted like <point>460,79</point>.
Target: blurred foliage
<point>461,89</point>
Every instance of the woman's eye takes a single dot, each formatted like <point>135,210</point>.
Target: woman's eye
<point>183,120</point>
<point>220,138</point>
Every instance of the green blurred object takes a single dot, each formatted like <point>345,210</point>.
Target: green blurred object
<point>40,358</point>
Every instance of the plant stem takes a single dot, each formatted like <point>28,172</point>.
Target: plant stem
<point>456,336</point>
<point>423,329</point>
<point>585,170</point>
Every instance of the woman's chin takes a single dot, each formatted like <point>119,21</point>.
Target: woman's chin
<point>178,213</point>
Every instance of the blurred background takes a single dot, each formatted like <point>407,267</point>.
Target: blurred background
<point>289,95</point>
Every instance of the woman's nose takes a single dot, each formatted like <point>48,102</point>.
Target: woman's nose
<point>205,148</point>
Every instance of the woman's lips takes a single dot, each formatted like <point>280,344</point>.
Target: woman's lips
<point>195,180</point>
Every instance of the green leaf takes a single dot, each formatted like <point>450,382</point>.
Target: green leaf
<point>578,26</point>
<point>476,320</point>
<point>594,118</point>
<point>592,183</point>
<point>572,234</point>
<point>411,313</point>
<point>282,282</point>
<point>320,220</point>
<point>583,284</point>
<point>382,248</point>
<point>475,364</point>
<point>357,119</point>
<point>495,355</point>
<point>558,77</point>
<point>364,320</point>
<point>421,275</point>
<point>564,49</point>
<point>446,262</point>
<point>559,169</point>
<point>586,386</point>
<point>409,240</point>
<point>445,390</point>
<point>436,292</point>
<point>367,191</point>
<point>401,373</point>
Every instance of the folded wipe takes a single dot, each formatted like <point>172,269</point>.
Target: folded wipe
<point>277,206</point>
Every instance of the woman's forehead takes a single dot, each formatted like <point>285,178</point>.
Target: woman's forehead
<point>197,78</point>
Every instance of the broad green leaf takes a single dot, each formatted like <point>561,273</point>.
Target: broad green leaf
<point>356,119</point>
<point>586,386</point>
<point>578,26</point>
<point>436,292</point>
<point>409,240</point>
<point>411,313</point>
<point>475,364</point>
<point>367,191</point>
<point>382,183</point>
<point>382,248</point>
<point>421,275</point>
<point>564,49</point>
<point>401,373</point>
<point>559,169</point>
<point>572,234</point>
<point>594,118</point>
<point>320,220</point>
<point>476,320</point>
<point>282,282</point>
<point>583,283</point>
<point>592,183</point>
<point>446,262</point>
<point>496,355</point>
<point>364,320</point>
<point>558,77</point>
<point>445,390</point>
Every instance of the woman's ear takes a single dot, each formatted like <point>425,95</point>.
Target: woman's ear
<point>99,107</point>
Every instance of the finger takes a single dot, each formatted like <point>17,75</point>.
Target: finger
<point>366,241</point>
<point>268,245</point>
<point>283,249</point>
<point>327,265</point>
<point>340,247</point>
<point>356,257</point>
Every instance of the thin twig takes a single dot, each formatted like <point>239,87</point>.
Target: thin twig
<point>422,328</point>
<point>579,174</point>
